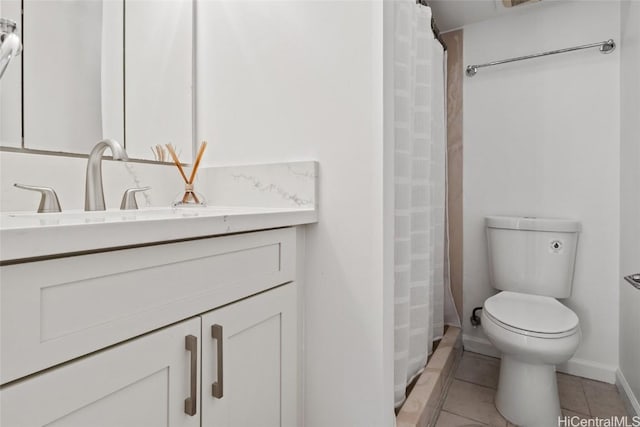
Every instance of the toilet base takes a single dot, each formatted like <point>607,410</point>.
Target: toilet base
<point>528,393</point>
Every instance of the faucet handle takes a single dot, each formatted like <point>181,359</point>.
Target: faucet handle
<point>129,198</point>
<point>49,200</point>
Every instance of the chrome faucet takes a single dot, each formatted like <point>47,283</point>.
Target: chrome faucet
<point>94,195</point>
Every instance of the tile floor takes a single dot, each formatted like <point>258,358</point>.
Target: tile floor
<point>469,400</point>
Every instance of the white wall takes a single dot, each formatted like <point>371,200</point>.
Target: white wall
<point>281,81</point>
<point>630,195</point>
<point>542,139</point>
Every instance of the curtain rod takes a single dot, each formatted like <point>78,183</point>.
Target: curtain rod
<point>605,47</point>
<point>434,27</point>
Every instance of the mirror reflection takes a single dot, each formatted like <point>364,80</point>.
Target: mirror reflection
<point>73,81</point>
<point>11,84</point>
<point>97,69</point>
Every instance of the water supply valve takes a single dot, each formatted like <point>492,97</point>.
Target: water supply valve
<point>475,319</point>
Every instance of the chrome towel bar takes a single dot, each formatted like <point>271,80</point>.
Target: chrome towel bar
<point>605,47</point>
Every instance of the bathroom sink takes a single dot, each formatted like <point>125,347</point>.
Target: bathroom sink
<point>76,217</point>
<point>28,235</point>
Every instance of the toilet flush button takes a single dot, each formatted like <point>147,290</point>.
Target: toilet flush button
<point>556,246</point>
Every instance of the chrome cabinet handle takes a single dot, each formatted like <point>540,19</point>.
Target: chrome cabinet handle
<point>217,387</point>
<point>129,198</point>
<point>49,200</point>
<point>190,403</point>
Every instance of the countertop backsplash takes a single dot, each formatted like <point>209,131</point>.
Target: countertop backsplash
<point>291,184</point>
<point>273,185</point>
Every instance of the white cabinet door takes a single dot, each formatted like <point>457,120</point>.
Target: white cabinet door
<point>255,379</point>
<point>142,382</point>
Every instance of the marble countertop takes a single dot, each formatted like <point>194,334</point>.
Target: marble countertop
<point>25,236</point>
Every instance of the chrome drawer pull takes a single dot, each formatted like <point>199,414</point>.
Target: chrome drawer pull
<point>190,403</point>
<point>217,388</point>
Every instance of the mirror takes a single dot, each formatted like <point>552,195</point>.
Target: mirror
<point>11,85</point>
<point>95,69</point>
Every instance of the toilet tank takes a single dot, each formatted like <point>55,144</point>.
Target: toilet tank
<point>532,255</point>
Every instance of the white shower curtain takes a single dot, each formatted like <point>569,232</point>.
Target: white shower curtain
<point>420,191</point>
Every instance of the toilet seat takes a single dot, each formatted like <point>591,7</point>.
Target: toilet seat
<point>531,315</point>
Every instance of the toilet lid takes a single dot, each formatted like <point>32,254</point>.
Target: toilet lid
<point>532,313</point>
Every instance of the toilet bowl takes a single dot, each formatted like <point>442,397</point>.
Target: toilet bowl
<point>534,333</point>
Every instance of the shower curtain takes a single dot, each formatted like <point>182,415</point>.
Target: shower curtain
<point>420,192</point>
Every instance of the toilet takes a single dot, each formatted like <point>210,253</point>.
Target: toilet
<point>531,261</point>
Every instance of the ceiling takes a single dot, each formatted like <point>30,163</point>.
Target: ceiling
<point>453,14</point>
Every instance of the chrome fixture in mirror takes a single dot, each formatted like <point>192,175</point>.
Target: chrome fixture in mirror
<point>10,46</point>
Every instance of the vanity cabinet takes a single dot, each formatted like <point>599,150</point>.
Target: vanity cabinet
<point>139,383</point>
<point>250,357</point>
<point>257,384</point>
<point>124,338</point>
<point>254,342</point>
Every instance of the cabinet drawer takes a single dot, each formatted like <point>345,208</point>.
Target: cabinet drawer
<point>59,309</point>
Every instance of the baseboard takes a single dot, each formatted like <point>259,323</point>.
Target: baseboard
<point>479,345</point>
<point>579,367</point>
<point>630,399</point>
<point>588,369</point>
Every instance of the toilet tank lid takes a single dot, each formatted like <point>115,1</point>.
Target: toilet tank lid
<point>533,223</point>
